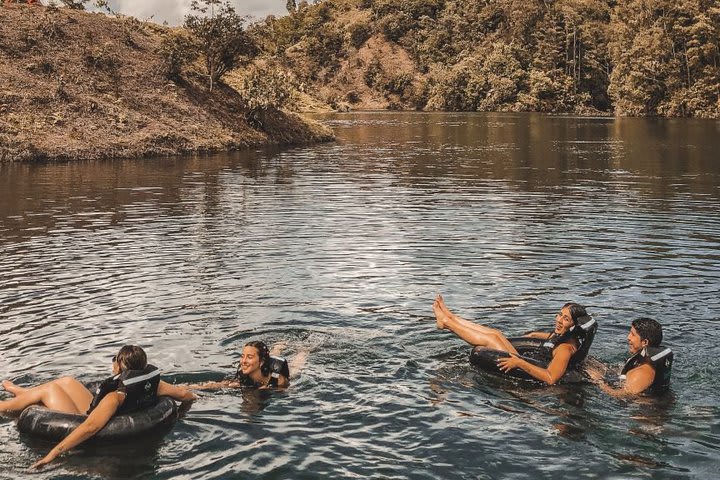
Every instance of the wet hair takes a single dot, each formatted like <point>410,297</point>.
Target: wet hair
<point>649,330</point>
<point>264,354</point>
<point>131,357</point>
<point>577,311</point>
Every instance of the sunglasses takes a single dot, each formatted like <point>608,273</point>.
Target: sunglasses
<point>114,358</point>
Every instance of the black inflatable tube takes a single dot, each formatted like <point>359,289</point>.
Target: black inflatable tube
<point>486,360</point>
<point>42,422</point>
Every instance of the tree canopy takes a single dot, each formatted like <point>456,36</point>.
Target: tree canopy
<point>635,57</point>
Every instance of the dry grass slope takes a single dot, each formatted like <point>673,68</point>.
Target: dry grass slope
<point>77,85</point>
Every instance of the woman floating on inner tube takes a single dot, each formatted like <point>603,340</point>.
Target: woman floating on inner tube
<point>134,385</point>
<point>482,336</point>
<point>258,368</point>
<point>649,368</point>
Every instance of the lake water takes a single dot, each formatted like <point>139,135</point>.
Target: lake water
<point>339,250</point>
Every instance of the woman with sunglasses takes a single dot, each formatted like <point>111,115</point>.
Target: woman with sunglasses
<point>133,386</point>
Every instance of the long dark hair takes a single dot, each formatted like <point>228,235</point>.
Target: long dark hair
<point>577,311</point>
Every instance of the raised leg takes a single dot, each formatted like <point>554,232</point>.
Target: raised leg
<point>467,323</point>
<point>472,333</point>
<point>63,395</point>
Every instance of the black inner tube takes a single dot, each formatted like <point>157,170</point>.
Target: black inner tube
<point>43,422</point>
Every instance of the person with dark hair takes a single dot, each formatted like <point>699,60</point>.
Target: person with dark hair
<point>649,368</point>
<point>564,346</point>
<point>257,368</point>
<point>133,386</point>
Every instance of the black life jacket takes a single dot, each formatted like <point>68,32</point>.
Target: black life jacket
<point>278,366</point>
<point>583,333</point>
<point>140,388</point>
<point>661,358</point>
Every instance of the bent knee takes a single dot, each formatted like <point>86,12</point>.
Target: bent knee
<point>64,381</point>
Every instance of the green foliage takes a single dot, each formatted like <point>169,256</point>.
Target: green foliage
<point>487,83</point>
<point>177,50</point>
<point>412,8</point>
<point>666,58</point>
<point>221,37</point>
<point>326,46</point>
<point>266,87</point>
<point>395,18</point>
<point>636,57</point>
<point>373,73</point>
<point>359,33</point>
<point>399,83</point>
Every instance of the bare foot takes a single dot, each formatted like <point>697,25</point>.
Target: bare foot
<point>439,316</point>
<point>11,387</point>
<point>441,303</point>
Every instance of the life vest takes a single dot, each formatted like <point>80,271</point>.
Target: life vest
<point>140,388</point>
<point>278,366</point>
<point>661,358</point>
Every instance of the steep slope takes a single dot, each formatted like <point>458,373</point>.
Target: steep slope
<point>77,85</point>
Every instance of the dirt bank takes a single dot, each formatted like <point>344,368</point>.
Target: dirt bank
<point>78,85</point>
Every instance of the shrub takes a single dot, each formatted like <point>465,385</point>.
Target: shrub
<point>222,40</point>
<point>359,34</point>
<point>176,50</point>
<point>266,87</point>
<point>373,73</point>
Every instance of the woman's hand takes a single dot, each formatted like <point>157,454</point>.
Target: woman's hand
<point>595,374</point>
<point>45,460</point>
<point>94,422</point>
<point>594,369</point>
<point>508,363</point>
<point>178,392</point>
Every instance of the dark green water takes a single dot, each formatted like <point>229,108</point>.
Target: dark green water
<point>339,249</point>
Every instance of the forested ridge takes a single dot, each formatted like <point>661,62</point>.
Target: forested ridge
<point>629,58</point>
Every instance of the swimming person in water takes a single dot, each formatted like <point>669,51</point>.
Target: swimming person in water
<point>134,385</point>
<point>258,368</point>
<point>483,336</point>
<point>647,370</point>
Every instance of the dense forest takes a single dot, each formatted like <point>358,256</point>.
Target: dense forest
<point>630,58</point>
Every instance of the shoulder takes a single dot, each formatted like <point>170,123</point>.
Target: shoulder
<point>115,398</point>
<point>639,378</point>
<point>645,368</point>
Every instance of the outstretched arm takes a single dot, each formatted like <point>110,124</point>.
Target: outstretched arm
<point>180,393</point>
<point>550,375</point>
<point>229,383</point>
<point>636,381</point>
<point>97,419</point>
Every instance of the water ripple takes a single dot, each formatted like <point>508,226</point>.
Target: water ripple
<point>338,250</point>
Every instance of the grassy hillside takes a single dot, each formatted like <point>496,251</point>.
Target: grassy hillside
<point>635,57</point>
<point>77,85</point>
